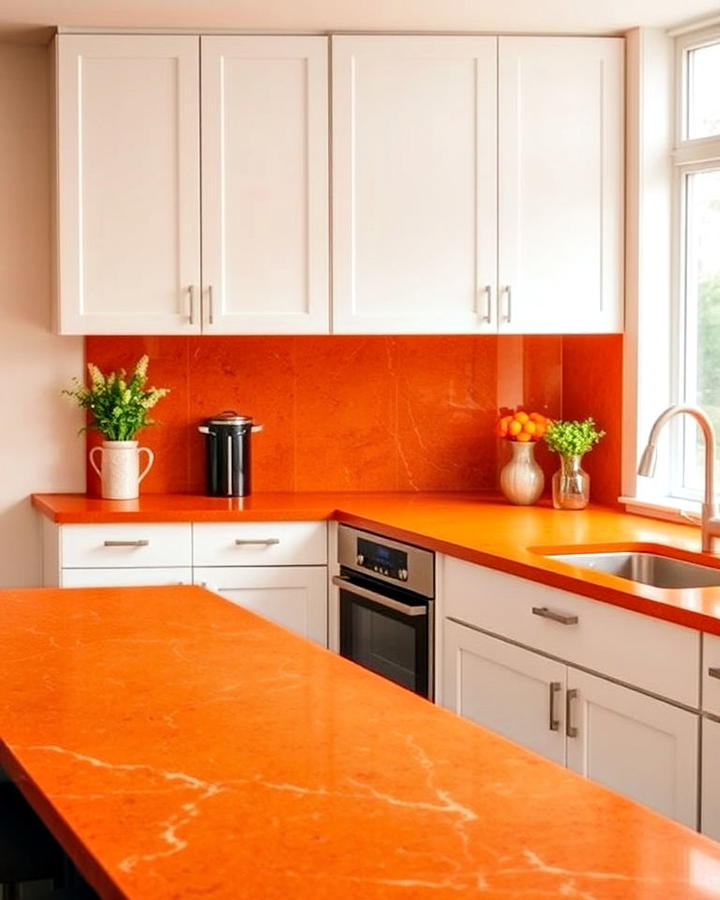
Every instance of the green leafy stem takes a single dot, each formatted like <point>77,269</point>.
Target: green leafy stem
<point>118,405</point>
<point>572,438</point>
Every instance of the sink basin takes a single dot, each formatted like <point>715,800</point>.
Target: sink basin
<point>645,568</point>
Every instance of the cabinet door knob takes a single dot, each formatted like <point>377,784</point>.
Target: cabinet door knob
<point>555,688</point>
<point>714,672</point>
<point>570,729</point>
<point>562,618</point>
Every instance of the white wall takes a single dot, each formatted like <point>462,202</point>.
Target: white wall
<point>39,449</point>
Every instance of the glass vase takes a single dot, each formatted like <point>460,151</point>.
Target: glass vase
<point>522,480</point>
<point>570,484</point>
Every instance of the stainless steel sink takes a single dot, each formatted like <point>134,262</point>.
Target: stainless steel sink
<point>646,568</point>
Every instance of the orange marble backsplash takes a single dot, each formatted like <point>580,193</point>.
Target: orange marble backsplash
<point>369,413</point>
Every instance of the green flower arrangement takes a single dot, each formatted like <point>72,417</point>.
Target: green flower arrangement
<point>572,438</point>
<point>118,405</point>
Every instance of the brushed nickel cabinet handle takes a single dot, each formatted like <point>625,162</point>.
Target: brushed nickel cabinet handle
<point>191,314</point>
<point>507,290</point>
<point>265,542</point>
<point>127,543</point>
<point>562,618</point>
<point>570,729</point>
<point>714,672</point>
<point>486,315</point>
<point>555,687</point>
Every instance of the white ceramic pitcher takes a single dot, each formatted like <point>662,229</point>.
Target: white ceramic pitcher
<point>119,469</point>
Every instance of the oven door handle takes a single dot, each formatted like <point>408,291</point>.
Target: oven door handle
<point>404,608</point>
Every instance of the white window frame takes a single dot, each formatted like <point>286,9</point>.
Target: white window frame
<point>689,156</point>
<point>657,163</point>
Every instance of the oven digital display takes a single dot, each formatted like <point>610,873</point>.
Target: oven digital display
<point>382,559</point>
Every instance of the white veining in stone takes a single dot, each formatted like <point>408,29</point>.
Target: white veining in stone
<point>536,864</point>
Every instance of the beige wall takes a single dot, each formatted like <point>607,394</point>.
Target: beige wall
<point>39,449</point>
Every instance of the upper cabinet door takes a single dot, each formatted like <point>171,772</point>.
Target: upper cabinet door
<point>414,184</point>
<point>561,138</point>
<point>265,184</point>
<point>128,184</point>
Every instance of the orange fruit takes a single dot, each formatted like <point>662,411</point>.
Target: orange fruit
<point>514,427</point>
<point>521,417</point>
<point>537,417</point>
<point>524,436</point>
<point>530,427</point>
<point>502,426</point>
<point>540,429</point>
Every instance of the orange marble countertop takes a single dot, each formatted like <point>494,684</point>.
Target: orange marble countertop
<point>480,528</point>
<point>180,746</point>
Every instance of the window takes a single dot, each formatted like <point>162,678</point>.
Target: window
<point>696,339</point>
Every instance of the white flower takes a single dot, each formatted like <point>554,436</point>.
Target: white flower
<point>97,379</point>
<point>141,367</point>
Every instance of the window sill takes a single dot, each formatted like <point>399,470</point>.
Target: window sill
<point>671,509</point>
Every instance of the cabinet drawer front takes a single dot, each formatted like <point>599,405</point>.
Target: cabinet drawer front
<point>260,543</point>
<point>711,674</point>
<point>124,577</point>
<point>656,656</point>
<point>126,545</point>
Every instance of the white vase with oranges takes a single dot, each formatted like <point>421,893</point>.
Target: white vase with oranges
<point>521,479</point>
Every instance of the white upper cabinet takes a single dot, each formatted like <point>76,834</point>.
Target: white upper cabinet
<point>265,184</point>
<point>130,167</point>
<point>561,196</point>
<point>414,183</point>
<point>128,184</point>
<point>477,184</point>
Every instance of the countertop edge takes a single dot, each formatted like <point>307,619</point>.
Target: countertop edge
<point>524,564</point>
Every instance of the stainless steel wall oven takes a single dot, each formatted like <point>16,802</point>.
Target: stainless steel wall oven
<point>386,609</point>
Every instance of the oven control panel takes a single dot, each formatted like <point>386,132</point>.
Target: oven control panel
<point>382,559</point>
<point>387,560</point>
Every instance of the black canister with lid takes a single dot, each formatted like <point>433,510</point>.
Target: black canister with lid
<point>227,448</point>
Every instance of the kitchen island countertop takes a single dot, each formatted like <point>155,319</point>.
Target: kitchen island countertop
<point>181,746</point>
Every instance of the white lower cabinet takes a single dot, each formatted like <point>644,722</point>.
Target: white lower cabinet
<point>640,746</point>
<point>292,596</point>
<point>710,796</point>
<point>509,690</point>
<point>277,569</point>
<point>637,745</point>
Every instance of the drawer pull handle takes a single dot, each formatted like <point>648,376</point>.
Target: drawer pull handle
<point>570,730</point>
<point>127,543</point>
<point>546,613</point>
<point>714,673</point>
<point>265,542</point>
<point>555,687</point>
